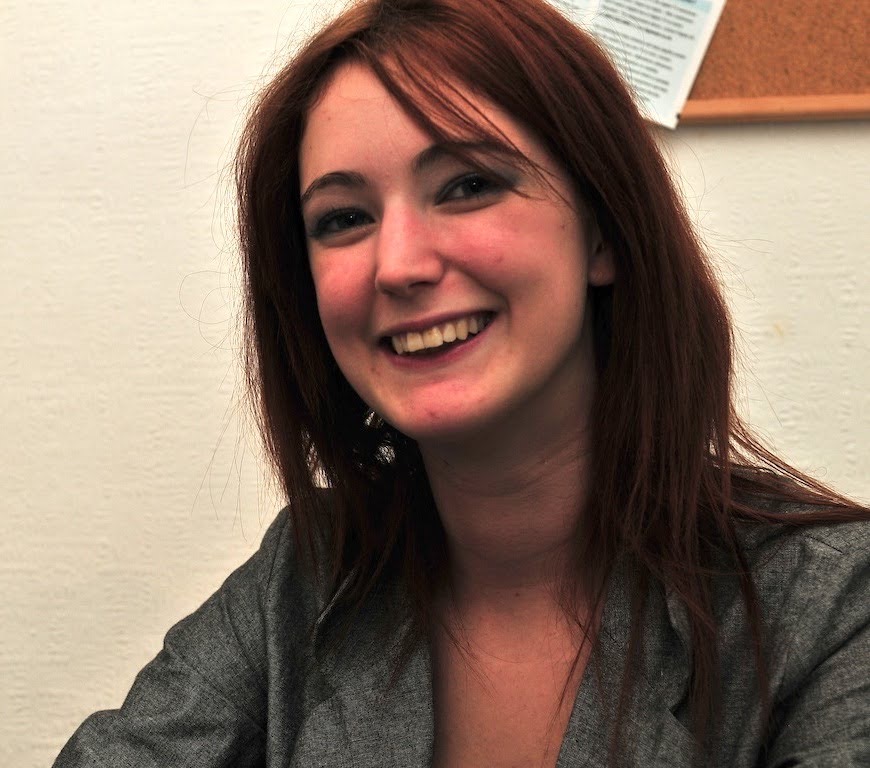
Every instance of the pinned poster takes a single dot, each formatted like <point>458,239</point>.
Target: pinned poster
<point>657,45</point>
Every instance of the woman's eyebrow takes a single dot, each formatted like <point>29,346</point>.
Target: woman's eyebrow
<point>457,150</point>
<point>344,179</point>
<point>432,155</point>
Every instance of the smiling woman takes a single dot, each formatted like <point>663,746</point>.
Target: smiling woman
<point>478,311</point>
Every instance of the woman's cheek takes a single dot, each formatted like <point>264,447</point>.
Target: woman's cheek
<point>343,297</point>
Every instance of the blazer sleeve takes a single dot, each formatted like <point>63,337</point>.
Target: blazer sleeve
<point>824,718</point>
<point>202,701</point>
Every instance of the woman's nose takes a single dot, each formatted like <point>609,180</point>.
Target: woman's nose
<point>407,258</point>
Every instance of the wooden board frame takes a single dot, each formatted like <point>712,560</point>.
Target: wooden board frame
<point>788,60</point>
<point>776,108</point>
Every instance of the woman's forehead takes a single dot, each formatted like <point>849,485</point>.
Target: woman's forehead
<point>355,107</point>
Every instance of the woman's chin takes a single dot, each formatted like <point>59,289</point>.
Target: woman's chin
<point>453,429</point>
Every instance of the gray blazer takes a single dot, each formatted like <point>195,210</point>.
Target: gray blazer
<point>247,680</point>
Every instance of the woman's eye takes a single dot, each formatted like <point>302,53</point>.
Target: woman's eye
<point>468,187</point>
<point>339,221</point>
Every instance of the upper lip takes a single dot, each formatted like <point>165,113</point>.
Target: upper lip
<point>431,321</point>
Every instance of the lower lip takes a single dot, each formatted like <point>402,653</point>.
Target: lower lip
<point>450,355</point>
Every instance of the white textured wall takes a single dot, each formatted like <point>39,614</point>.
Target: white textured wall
<point>785,209</point>
<point>125,501</point>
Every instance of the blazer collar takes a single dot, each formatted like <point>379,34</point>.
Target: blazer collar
<point>385,720</point>
<point>652,735</point>
<point>385,724</point>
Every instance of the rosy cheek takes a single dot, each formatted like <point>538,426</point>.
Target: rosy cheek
<point>341,296</point>
<point>477,242</point>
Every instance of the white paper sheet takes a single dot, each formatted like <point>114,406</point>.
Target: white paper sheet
<point>658,45</point>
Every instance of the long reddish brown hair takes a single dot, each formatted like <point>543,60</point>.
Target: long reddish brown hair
<point>671,458</point>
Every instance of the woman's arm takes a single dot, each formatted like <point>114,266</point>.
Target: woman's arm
<point>203,700</point>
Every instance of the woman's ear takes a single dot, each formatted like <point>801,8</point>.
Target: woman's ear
<point>601,269</point>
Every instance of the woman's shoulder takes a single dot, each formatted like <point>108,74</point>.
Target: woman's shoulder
<point>285,577</point>
<point>264,609</point>
<point>209,691</point>
<point>797,547</point>
<point>812,581</point>
<point>809,577</point>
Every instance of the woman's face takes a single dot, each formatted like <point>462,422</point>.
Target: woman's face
<point>453,296</point>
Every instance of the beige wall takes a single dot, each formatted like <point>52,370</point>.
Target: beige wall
<point>129,484</point>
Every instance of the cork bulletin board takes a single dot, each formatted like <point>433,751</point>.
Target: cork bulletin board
<point>785,60</point>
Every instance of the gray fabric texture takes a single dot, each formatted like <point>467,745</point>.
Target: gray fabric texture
<point>247,680</point>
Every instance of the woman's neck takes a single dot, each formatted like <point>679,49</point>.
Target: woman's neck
<point>510,513</point>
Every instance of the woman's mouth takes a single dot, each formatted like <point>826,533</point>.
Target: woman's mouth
<point>441,336</point>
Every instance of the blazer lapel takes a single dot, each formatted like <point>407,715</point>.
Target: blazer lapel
<point>367,722</point>
<point>652,735</point>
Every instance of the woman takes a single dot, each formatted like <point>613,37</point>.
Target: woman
<point>478,312</point>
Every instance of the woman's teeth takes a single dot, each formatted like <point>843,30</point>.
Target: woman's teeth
<point>445,333</point>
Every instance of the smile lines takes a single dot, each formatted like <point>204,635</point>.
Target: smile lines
<point>438,335</point>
